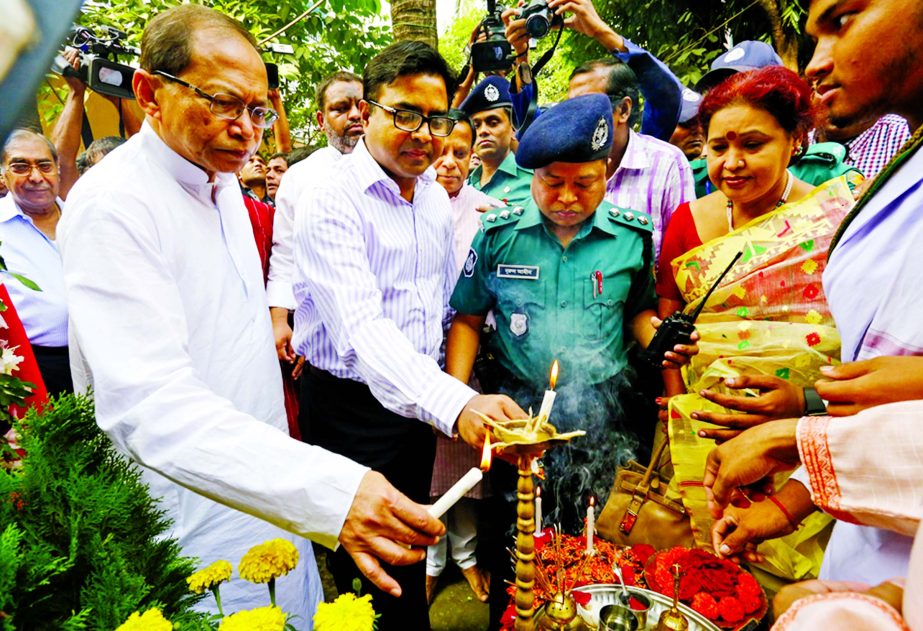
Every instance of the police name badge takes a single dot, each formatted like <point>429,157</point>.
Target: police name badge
<point>519,324</point>
<point>470,262</point>
<point>491,93</point>
<point>600,135</point>
<point>520,272</point>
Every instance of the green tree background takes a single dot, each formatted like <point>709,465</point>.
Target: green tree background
<point>345,34</point>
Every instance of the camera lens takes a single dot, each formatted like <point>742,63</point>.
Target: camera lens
<point>537,26</point>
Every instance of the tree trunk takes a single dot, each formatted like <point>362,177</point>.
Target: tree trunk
<point>785,44</point>
<point>414,20</point>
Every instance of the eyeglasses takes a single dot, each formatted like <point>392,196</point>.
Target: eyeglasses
<point>25,168</point>
<point>229,107</point>
<point>409,120</point>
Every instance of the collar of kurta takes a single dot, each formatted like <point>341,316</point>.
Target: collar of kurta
<point>10,209</point>
<point>190,176</point>
<point>635,157</point>
<point>532,217</point>
<point>370,173</point>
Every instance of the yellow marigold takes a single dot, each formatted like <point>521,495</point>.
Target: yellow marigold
<point>269,560</point>
<point>150,620</point>
<point>263,619</point>
<point>210,577</point>
<point>347,613</point>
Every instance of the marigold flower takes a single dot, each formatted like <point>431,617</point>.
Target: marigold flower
<point>268,561</point>
<point>347,613</point>
<point>150,620</point>
<point>209,577</point>
<point>269,618</point>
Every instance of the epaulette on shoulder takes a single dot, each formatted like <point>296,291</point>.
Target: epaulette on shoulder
<point>496,217</point>
<point>824,152</point>
<point>631,218</point>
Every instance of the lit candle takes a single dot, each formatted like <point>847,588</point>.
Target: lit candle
<point>548,400</point>
<point>538,511</point>
<point>465,484</point>
<point>590,526</point>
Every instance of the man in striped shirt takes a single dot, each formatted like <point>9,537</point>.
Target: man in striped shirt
<point>374,270</point>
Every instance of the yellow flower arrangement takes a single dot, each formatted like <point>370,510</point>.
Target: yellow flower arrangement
<point>210,577</point>
<point>263,619</point>
<point>268,561</point>
<point>150,620</point>
<point>347,613</point>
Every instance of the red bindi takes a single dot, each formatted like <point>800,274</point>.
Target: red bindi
<point>731,135</point>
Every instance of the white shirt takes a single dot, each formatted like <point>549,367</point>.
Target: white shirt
<point>170,326</point>
<point>29,252</point>
<point>373,278</point>
<point>301,177</point>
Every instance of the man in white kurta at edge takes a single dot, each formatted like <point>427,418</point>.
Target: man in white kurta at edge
<point>170,327</point>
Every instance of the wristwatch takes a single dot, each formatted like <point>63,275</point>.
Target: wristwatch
<point>813,404</point>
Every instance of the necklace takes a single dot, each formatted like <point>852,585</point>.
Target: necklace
<point>788,189</point>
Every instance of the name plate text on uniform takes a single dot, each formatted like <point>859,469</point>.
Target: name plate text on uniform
<point>521,272</point>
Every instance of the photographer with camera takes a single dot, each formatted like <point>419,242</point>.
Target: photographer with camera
<point>66,135</point>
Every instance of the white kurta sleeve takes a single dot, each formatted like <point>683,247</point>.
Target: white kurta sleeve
<point>131,321</point>
<point>281,260</point>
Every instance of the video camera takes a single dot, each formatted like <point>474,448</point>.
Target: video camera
<point>97,70</point>
<point>495,52</point>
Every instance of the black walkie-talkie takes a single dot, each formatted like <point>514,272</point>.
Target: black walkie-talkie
<point>678,328</point>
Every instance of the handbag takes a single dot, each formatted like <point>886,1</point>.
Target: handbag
<point>638,510</point>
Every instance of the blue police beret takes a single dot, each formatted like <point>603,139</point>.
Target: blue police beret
<point>490,93</point>
<point>747,55</point>
<point>576,130</point>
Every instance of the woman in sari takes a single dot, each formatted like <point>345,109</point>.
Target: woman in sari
<point>767,321</point>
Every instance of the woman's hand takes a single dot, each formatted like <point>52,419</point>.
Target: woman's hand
<point>778,399</point>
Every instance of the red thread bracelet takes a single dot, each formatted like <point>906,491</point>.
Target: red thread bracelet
<point>781,507</point>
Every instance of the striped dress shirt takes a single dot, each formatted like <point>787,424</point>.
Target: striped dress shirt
<point>373,277</point>
<point>653,177</point>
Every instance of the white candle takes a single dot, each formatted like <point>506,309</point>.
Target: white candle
<point>458,490</point>
<point>538,511</point>
<point>590,526</point>
<point>547,402</point>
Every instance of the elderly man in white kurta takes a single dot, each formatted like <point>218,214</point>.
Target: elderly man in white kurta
<point>170,327</point>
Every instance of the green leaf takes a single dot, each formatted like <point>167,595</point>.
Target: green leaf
<point>25,281</point>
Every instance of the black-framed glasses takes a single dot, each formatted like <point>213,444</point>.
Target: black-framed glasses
<point>228,106</point>
<point>409,120</point>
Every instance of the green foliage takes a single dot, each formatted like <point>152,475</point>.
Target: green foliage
<point>337,35</point>
<point>82,543</point>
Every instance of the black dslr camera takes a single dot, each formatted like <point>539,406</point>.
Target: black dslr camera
<point>678,328</point>
<point>495,52</point>
<point>540,19</point>
<point>97,70</point>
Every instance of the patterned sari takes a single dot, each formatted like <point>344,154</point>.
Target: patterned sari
<point>768,316</point>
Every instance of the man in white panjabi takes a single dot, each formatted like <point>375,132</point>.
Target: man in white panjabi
<point>170,327</point>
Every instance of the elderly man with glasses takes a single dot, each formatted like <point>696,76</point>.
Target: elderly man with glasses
<point>171,328</point>
<point>29,217</point>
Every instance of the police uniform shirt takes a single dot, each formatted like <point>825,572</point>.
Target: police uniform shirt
<point>510,183</point>
<point>551,302</point>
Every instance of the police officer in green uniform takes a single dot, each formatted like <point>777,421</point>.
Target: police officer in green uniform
<point>490,108</point>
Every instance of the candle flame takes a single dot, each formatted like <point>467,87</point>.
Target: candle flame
<point>486,454</point>
<point>538,491</point>
<point>554,374</point>
<point>592,501</point>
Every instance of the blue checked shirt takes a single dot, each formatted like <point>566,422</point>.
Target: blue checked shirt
<point>373,277</point>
